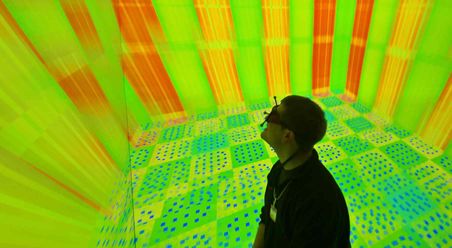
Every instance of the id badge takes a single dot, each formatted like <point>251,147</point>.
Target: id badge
<point>273,213</point>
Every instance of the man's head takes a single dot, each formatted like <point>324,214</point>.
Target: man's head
<point>297,123</point>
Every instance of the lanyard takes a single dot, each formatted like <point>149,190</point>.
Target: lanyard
<point>274,189</point>
<point>280,194</point>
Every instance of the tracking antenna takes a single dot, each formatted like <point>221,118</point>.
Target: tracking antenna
<point>266,113</point>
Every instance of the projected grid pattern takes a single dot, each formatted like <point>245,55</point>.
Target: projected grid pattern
<point>201,183</point>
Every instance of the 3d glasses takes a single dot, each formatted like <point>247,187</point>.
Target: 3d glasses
<point>273,116</point>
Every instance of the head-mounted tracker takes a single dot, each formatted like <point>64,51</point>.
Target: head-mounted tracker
<point>273,116</point>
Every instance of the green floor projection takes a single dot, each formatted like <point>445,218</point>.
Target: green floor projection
<point>201,183</point>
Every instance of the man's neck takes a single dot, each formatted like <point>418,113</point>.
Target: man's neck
<point>296,161</point>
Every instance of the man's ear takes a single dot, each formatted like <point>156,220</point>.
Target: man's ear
<point>289,134</point>
<point>292,135</point>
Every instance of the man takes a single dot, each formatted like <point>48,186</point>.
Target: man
<point>304,206</point>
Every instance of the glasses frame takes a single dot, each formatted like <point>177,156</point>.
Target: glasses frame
<point>274,117</point>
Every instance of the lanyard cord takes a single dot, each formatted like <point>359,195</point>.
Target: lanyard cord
<point>274,193</point>
<point>274,190</point>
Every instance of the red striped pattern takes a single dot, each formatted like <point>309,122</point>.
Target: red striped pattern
<point>324,17</point>
<point>215,19</point>
<point>80,20</point>
<point>276,49</point>
<point>142,64</point>
<point>361,26</point>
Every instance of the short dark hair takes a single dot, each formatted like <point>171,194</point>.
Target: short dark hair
<point>306,119</point>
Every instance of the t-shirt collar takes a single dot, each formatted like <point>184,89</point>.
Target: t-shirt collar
<point>301,170</point>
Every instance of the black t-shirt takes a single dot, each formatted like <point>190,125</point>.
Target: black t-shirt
<point>311,212</point>
<point>283,175</point>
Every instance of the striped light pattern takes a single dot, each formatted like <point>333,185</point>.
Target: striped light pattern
<point>142,65</point>
<point>437,128</point>
<point>63,127</point>
<point>216,50</point>
<point>363,15</point>
<point>78,78</point>
<point>83,26</point>
<point>324,15</point>
<point>410,19</point>
<point>276,46</point>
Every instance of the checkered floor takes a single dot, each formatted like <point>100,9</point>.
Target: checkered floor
<point>201,183</point>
